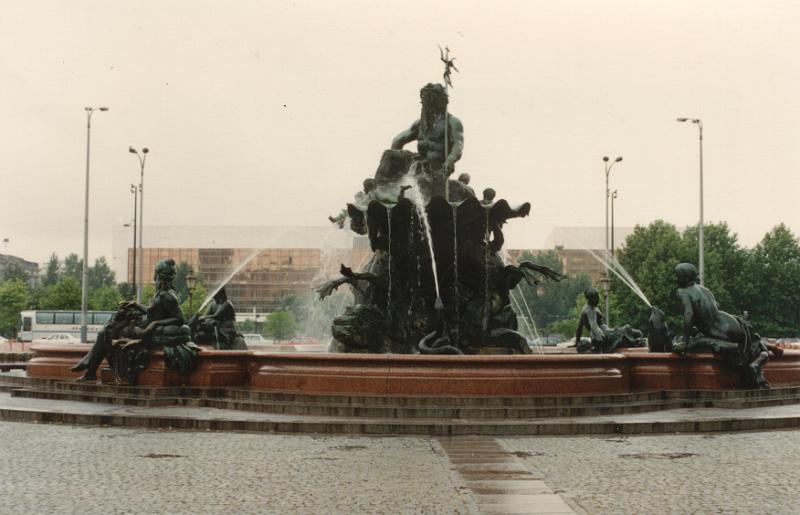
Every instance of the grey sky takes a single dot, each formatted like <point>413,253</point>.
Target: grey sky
<point>272,113</point>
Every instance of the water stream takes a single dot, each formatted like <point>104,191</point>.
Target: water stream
<point>611,263</point>
<point>414,194</point>
<point>228,278</point>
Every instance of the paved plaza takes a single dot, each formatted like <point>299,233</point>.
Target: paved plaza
<point>65,469</point>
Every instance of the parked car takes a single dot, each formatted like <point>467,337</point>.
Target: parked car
<point>60,338</point>
<point>252,338</point>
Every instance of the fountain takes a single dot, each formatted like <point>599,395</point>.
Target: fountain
<point>464,286</point>
<point>435,285</point>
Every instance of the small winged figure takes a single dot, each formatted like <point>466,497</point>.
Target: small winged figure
<point>444,55</point>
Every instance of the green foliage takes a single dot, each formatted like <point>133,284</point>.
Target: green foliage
<point>127,290</point>
<point>65,294</point>
<point>199,295</point>
<point>106,298</point>
<point>246,326</point>
<point>148,292</point>
<point>73,267</point>
<point>15,272</point>
<point>551,301</point>
<point>761,281</point>
<point>100,275</point>
<point>280,325</point>
<point>297,305</point>
<point>650,256</point>
<point>14,297</point>
<point>53,273</point>
<point>182,269</point>
<point>773,273</point>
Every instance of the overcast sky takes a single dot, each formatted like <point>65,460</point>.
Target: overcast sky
<point>272,113</point>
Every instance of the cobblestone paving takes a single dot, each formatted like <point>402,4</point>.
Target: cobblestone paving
<point>719,473</point>
<point>63,469</point>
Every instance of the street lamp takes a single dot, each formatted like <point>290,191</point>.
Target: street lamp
<point>699,124</point>
<point>608,167</point>
<point>85,272</point>
<point>135,191</point>
<point>191,280</point>
<point>5,246</point>
<point>613,196</point>
<point>142,158</point>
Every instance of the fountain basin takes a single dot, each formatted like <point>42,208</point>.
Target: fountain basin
<point>390,374</point>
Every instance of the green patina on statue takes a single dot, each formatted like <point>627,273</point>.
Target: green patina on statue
<point>135,331</point>
<point>604,339</point>
<point>707,328</point>
<point>217,327</point>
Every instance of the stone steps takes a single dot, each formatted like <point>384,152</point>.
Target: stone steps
<point>355,410</point>
<point>352,425</point>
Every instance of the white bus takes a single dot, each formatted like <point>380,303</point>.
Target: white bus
<point>40,323</point>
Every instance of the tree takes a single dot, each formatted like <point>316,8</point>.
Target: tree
<point>53,273</point>
<point>198,296</point>
<point>650,256</point>
<point>127,290</point>
<point>14,297</point>
<point>550,301</point>
<point>14,272</point>
<point>298,306</point>
<point>100,274</point>
<point>65,294</point>
<point>73,267</point>
<point>105,298</point>
<point>280,325</point>
<point>773,273</point>
<point>181,271</point>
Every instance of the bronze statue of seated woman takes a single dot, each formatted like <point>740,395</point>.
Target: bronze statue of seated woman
<point>135,331</point>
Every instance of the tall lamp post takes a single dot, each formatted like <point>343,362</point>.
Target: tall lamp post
<point>608,166</point>
<point>135,191</point>
<point>85,271</point>
<point>142,159</point>
<point>5,246</point>
<point>613,196</point>
<point>699,124</point>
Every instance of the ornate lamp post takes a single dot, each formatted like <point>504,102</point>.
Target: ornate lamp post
<point>702,267</point>
<point>608,167</point>
<point>191,281</point>
<point>142,159</point>
<point>85,271</point>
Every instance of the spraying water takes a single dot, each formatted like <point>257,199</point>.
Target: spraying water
<point>612,264</point>
<point>416,198</point>
<point>227,279</point>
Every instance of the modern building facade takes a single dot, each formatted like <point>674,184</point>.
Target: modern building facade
<point>30,268</point>
<point>259,265</point>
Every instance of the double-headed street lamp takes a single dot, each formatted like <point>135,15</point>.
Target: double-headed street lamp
<point>85,272</point>
<point>142,158</point>
<point>608,166</point>
<point>699,124</point>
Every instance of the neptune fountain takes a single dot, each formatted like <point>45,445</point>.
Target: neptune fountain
<point>435,283</point>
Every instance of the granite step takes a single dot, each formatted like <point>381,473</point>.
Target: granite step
<point>353,410</point>
<point>207,419</point>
